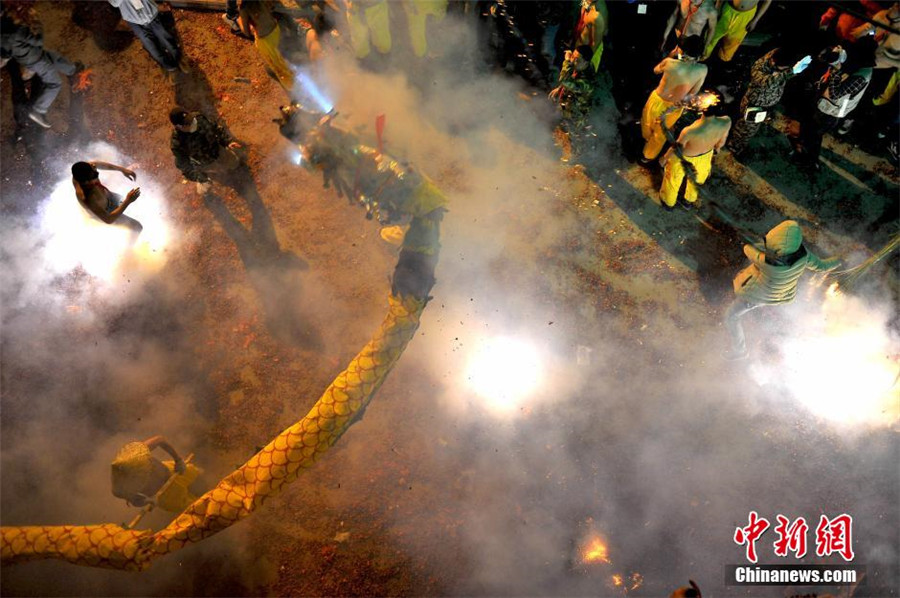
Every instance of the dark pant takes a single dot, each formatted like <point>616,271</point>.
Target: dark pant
<point>48,69</point>
<point>231,8</point>
<point>159,43</point>
<point>813,129</point>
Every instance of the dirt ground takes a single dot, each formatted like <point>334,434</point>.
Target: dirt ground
<point>260,304</point>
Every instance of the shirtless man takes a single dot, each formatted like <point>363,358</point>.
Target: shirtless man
<point>681,77</point>
<point>737,18</point>
<point>100,201</point>
<point>696,145</point>
<point>692,17</point>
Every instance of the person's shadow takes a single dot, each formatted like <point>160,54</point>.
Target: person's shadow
<point>193,91</point>
<point>101,19</point>
<point>276,274</point>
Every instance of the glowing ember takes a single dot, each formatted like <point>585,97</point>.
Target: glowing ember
<point>596,551</point>
<point>505,371</point>
<point>83,80</point>
<point>626,584</point>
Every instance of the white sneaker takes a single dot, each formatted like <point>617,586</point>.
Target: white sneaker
<point>233,23</point>
<point>39,119</point>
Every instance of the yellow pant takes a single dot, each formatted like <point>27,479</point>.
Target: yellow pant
<point>651,128</point>
<point>731,29</point>
<point>370,20</point>
<point>889,91</point>
<point>417,12</point>
<point>272,58</point>
<point>675,173</point>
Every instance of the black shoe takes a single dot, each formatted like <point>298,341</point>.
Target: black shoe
<point>645,162</point>
<point>666,206</point>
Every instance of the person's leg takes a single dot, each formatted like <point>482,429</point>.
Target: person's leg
<point>721,30</point>
<point>51,82</point>
<point>733,323</point>
<point>702,167</point>
<point>61,63</point>
<point>672,178</point>
<point>231,16</point>
<point>274,61</point>
<point>165,40</point>
<point>378,18</point>
<point>889,91</point>
<point>416,20</point>
<point>359,31</point>
<point>133,227</point>
<point>734,36</point>
<point>657,139</point>
<point>742,132</point>
<point>651,108</point>
<point>821,124</point>
<point>148,39</point>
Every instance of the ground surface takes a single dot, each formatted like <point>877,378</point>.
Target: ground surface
<point>653,441</point>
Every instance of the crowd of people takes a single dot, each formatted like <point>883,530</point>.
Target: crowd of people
<point>701,104</point>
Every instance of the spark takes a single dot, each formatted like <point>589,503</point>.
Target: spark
<point>702,101</point>
<point>505,371</point>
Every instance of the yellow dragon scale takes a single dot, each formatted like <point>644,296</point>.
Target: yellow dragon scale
<point>245,489</point>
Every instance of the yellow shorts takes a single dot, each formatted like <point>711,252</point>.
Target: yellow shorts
<point>272,58</point>
<point>675,174</point>
<point>370,20</point>
<point>731,29</point>
<point>651,128</point>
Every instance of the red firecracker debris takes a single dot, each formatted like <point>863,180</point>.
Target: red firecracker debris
<point>83,80</point>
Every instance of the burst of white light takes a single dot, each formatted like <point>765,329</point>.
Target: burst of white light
<point>505,372</point>
<point>76,238</point>
<point>844,368</point>
<point>846,377</point>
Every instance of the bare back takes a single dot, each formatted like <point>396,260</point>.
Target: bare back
<point>705,135</point>
<point>680,79</point>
